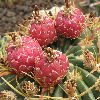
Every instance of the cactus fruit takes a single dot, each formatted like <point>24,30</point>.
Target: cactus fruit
<point>68,22</point>
<point>27,50</point>
<point>42,29</point>
<point>52,68</point>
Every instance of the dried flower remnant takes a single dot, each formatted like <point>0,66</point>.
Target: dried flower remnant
<point>50,54</point>
<point>85,43</point>
<point>89,60</point>
<point>36,15</point>
<point>4,63</point>
<point>71,84</point>
<point>70,87</point>
<point>91,21</point>
<point>89,35</point>
<point>30,88</point>
<point>7,95</point>
<point>97,66</point>
<point>16,38</point>
<point>74,74</point>
<point>89,38</point>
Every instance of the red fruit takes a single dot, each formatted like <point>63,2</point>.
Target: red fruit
<point>51,68</point>
<point>43,30</point>
<point>68,22</point>
<point>22,57</point>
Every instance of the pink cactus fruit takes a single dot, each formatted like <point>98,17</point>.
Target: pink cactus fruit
<point>70,22</point>
<point>21,57</point>
<point>42,29</point>
<point>51,68</point>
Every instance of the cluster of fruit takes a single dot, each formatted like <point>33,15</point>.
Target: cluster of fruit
<point>25,54</point>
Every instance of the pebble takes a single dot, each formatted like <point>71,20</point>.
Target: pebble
<point>22,8</point>
<point>21,13</point>
<point>1,15</point>
<point>4,19</point>
<point>1,10</point>
<point>59,2</point>
<point>4,11</point>
<point>13,20</point>
<point>10,13</point>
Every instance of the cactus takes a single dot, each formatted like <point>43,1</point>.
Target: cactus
<point>82,81</point>
<point>42,29</point>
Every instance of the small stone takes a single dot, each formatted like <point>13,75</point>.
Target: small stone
<point>1,15</point>
<point>10,13</point>
<point>22,8</point>
<point>4,11</point>
<point>4,19</point>
<point>28,2</point>
<point>58,2</point>
<point>1,10</point>
<point>14,20</point>
<point>21,13</point>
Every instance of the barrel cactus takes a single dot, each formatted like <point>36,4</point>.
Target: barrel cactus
<point>74,66</point>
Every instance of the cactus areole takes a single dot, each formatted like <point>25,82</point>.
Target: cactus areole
<point>52,68</point>
<point>69,21</point>
<point>42,29</point>
<point>22,57</point>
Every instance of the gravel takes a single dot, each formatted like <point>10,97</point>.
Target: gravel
<point>12,15</point>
